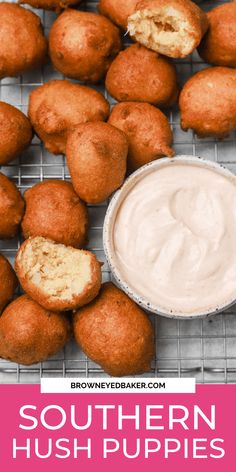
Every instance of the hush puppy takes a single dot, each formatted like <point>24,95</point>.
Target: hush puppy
<point>82,45</point>
<point>115,333</point>
<point>138,74</point>
<point>117,11</point>
<point>58,106</point>
<point>96,155</point>
<point>15,132</point>
<point>147,129</point>
<point>11,208</point>
<point>208,102</point>
<point>54,211</point>
<point>30,334</point>
<point>56,5</point>
<point>23,45</point>
<point>218,46</point>
<point>58,277</point>
<point>171,27</point>
<point>8,282</point>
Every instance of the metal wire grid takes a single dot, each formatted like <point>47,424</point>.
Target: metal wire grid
<point>204,349</point>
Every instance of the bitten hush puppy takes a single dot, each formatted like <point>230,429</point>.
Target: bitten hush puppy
<point>218,46</point>
<point>8,282</point>
<point>54,211</point>
<point>96,155</point>
<point>171,27</point>
<point>82,45</point>
<point>147,129</point>
<point>208,102</point>
<point>11,208</point>
<point>58,106</point>
<point>30,334</point>
<point>117,11</point>
<point>138,74</point>
<point>56,5</point>
<point>58,277</point>
<point>115,333</point>
<point>15,132</point>
<point>23,45</point>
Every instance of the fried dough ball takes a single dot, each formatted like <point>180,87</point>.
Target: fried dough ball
<point>54,211</point>
<point>15,132</point>
<point>58,277</point>
<point>218,46</point>
<point>82,45</point>
<point>56,5</point>
<point>96,155</point>
<point>58,106</point>
<point>118,12</point>
<point>11,208</point>
<point>23,45</point>
<point>171,27</point>
<point>138,74</point>
<point>115,333</point>
<point>8,282</point>
<point>147,129</point>
<point>30,334</point>
<point>208,102</point>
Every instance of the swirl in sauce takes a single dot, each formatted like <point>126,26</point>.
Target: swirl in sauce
<point>175,238</point>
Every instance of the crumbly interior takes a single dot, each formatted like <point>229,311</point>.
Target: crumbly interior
<point>163,31</point>
<point>60,271</point>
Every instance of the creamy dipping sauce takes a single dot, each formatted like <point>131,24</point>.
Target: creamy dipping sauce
<point>174,238</point>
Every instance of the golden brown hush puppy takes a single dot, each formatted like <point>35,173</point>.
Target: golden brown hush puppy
<point>11,208</point>
<point>115,333</point>
<point>147,129</point>
<point>96,155</point>
<point>58,106</point>
<point>138,74</point>
<point>23,45</point>
<point>208,102</point>
<point>56,5</point>
<point>8,282</point>
<point>117,11</point>
<point>56,276</point>
<point>15,132</point>
<point>54,211</point>
<point>30,334</point>
<point>82,45</point>
<point>218,46</point>
<point>171,27</point>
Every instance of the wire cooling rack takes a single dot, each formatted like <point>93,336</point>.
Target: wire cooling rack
<point>204,349</point>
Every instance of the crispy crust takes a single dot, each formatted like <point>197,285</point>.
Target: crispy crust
<point>8,282</point>
<point>58,106</point>
<point>15,132</point>
<point>96,155</point>
<point>192,14</point>
<point>147,129</point>
<point>82,45</point>
<point>138,74</point>
<point>208,102</point>
<point>29,334</point>
<point>54,211</point>
<point>51,303</point>
<point>218,46</point>
<point>23,45</point>
<point>118,12</point>
<point>11,208</point>
<point>55,5</point>
<point>115,333</point>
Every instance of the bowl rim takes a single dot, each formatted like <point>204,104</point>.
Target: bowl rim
<point>110,216</point>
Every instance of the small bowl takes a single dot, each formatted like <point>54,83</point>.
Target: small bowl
<point>110,218</point>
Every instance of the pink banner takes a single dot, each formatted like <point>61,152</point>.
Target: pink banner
<point>91,432</point>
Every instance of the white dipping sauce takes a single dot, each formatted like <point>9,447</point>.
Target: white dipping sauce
<point>174,238</point>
